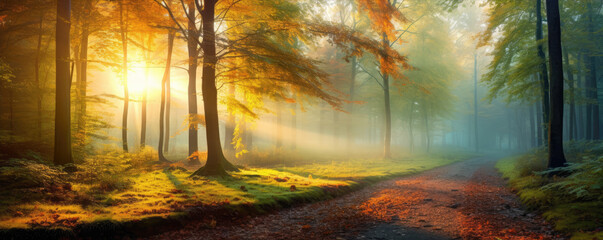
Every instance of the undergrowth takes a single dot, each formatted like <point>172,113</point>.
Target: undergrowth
<point>574,203</point>
<point>114,186</point>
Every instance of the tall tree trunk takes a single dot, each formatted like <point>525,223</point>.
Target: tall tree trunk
<point>193,54</point>
<point>37,76</point>
<point>168,98</point>
<point>572,102</point>
<point>62,133</point>
<point>544,79</point>
<point>475,101</point>
<point>83,81</point>
<point>216,162</point>
<point>581,84</point>
<point>124,42</point>
<point>350,135</point>
<point>164,85</point>
<point>556,155</point>
<point>592,77</point>
<point>388,115</point>
<point>539,124</point>
<point>143,112</point>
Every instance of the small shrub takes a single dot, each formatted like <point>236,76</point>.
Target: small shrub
<point>109,183</point>
<point>573,202</point>
<point>145,155</point>
<point>585,181</point>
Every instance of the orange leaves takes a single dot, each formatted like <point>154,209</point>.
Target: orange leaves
<point>389,203</point>
<point>290,100</point>
<point>382,13</point>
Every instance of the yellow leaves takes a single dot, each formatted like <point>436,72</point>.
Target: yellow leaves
<point>194,120</point>
<point>237,141</point>
<point>236,107</point>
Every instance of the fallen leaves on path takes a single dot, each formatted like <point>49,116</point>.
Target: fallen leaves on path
<point>491,211</point>
<point>466,200</point>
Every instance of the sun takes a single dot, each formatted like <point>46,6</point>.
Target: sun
<point>138,81</point>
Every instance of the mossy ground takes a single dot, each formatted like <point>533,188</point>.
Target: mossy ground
<point>573,203</point>
<point>123,188</point>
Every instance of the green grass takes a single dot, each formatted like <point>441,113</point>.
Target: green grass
<point>574,204</point>
<point>121,188</point>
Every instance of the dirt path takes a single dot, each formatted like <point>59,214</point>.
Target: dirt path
<point>466,200</point>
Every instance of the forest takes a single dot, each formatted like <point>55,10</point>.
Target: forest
<point>301,119</point>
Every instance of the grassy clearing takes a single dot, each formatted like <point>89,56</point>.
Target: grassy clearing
<point>123,188</point>
<point>573,203</point>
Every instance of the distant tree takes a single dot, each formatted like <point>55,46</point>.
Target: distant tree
<point>192,39</point>
<point>123,31</point>
<point>428,94</point>
<point>544,78</point>
<point>592,88</point>
<point>163,134</point>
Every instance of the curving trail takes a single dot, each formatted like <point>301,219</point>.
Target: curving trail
<point>465,200</point>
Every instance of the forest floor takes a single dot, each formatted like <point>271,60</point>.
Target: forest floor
<point>465,200</point>
<point>127,195</point>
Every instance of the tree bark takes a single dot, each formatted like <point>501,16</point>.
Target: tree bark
<point>143,112</point>
<point>37,77</point>
<point>124,43</point>
<point>350,133</point>
<point>164,86</point>
<point>193,55</point>
<point>572,102</point>
<point>388,115</point>
<point>556,155</point>
<point>216,162</point>
<point>592,78</point>
<point>544,79</point>
<point>581,84</point>
<point>83,81</point>
<point>62,134</point>
<point>168,98</point>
